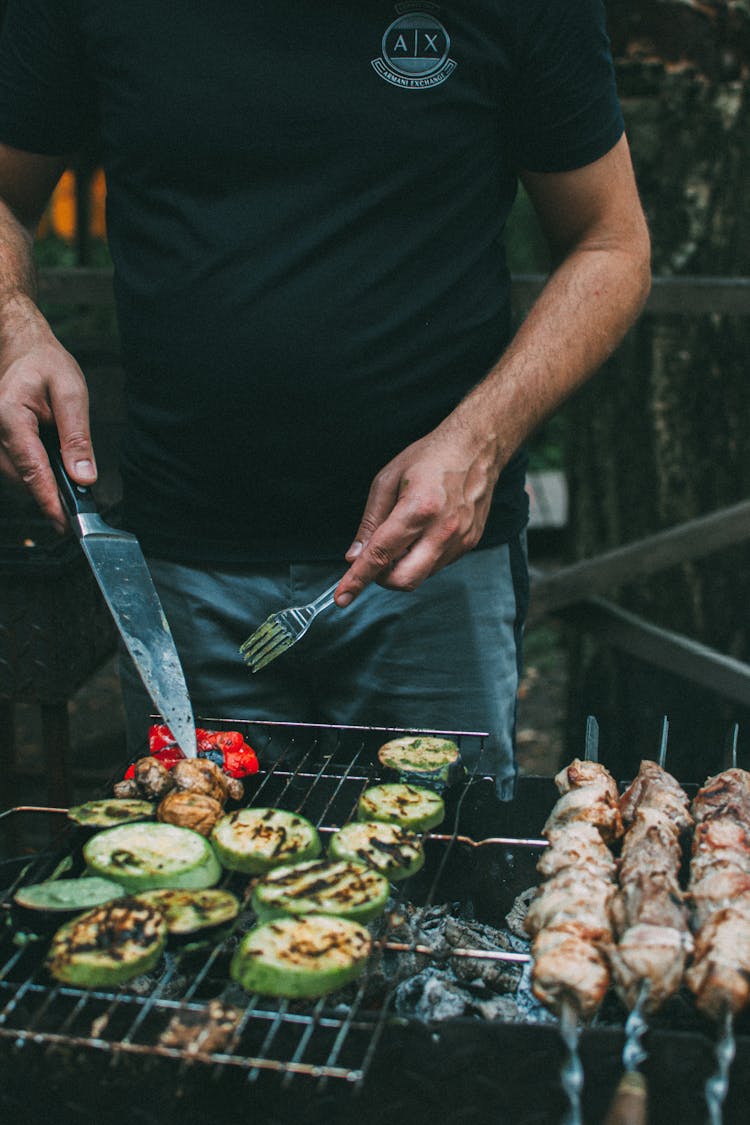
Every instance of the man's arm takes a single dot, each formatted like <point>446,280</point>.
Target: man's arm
<point>429,505</point>
<point>39,380</point>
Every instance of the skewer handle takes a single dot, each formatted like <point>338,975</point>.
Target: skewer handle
<point>629,1105</point>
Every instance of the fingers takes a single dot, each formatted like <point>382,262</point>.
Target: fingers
<point>418,538</point>
<point>25,460</point>
<point>43,389</point>
<point>425,509</point>
<point>381,499</point>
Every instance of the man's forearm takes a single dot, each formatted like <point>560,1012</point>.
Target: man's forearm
<point>18,311</point>
<point>580,317</point>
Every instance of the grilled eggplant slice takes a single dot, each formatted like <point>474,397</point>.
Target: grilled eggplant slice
<point>110,812</point>
<point>411,806</point>
<point>255,840</point>
<point>108,945</point>
<point>395,852</point>
<point>301,958</point>
<point>186,912</point>
<point>423,760</point>
<point>145,856</point>
<point>343,888</point>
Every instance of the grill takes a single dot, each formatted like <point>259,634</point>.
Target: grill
<point>184,1045</point>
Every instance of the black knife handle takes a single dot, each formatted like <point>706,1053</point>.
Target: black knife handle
<point>77,499</point>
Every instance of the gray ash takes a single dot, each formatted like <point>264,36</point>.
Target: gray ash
<point>450,983</point>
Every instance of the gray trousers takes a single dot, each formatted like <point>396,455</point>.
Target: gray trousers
<point>446,656</point>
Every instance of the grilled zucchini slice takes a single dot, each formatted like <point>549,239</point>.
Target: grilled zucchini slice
<point>411,806</point>
<point>108,945</point>
<point>395,852</point>
<point>110,812</point>
<point>301,958</point>
<point>255,840</point>
<point>185,912</point>
<point>67,896</point>
<point>343,888</point>
<point>144,856</point>
<point>423,760</point>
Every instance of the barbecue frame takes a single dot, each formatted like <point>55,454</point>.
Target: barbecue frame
<point>292,1059</point>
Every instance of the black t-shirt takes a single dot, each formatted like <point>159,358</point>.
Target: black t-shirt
<point>305,209</point>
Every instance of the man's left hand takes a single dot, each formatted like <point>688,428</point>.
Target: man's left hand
<point>425,509</point>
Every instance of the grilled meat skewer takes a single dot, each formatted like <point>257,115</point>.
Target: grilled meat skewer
<point>719,891</point>
<point>649,911</point>
<point>570,919</point>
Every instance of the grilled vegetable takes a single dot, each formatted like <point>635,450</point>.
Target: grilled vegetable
<point>201,775</point>
<point>108,945</point>
<point>395,852</point>
<point>190,810</point>
<point>423,760</point>
<point>145,856</point>
<point>67,896</point>
<point>255,840</point>
<point>301,957</point>
<point>152,777</point>
<point>227,749</point>
<point>408,805</point>
<point>343,888</point>
<point>188,911</point>
<point>108,813</point>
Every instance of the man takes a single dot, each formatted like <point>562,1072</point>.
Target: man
<point>306,207</point>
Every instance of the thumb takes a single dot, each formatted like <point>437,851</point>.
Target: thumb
<point>76,448</point>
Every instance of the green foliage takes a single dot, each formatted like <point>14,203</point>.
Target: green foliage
<point>52,252</point>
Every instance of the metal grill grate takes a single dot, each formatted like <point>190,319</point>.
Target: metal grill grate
<point>318,772</point>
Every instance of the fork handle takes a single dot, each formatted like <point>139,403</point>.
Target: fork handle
<point>325,599</point>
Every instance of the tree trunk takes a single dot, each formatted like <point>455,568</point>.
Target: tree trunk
<point>660,435</point>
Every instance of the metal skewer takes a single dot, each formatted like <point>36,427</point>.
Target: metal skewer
<point>591,740</point>
<point>663,743</point>
<point>628,1106</point>
<point>717,1085</point>
<point>633,1053</point>
<point>571,1072</point>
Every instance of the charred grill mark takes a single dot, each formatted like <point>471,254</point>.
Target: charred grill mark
<point>123,858</point>
<point>340,883</point>
<point>111,930</point>
<point>400,851</point>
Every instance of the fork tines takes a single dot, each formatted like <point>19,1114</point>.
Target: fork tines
<point>267,642</point>
<point>281,630</point>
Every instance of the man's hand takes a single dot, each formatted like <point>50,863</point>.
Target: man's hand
<point>425,509</point>
<point>41,384</point>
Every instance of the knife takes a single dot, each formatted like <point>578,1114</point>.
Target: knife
<point>118,565</point>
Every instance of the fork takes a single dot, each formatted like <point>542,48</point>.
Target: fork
<point>282,630</point>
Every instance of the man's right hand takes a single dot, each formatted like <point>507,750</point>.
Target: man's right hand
<point>41,384</point>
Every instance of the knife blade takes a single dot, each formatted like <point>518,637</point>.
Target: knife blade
<point>120,569</point>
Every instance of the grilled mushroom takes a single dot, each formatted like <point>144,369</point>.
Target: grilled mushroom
<point>153,778</point>
<point>128,789</point>
<point>190,810</point>
<point>201,775</point>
